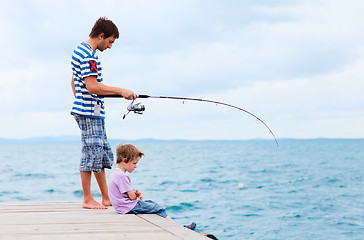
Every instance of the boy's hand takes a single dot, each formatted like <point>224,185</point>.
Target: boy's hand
<point>139,194</point>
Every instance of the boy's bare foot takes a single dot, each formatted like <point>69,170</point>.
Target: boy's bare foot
<point>106,202</point>
<point>93,205</point>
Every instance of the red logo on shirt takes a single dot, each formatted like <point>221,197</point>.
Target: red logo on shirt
<point>93,67</point>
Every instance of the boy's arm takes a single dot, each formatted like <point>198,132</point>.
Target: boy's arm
<point>134,195</point>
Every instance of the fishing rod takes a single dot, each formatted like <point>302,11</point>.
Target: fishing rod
<point>138,109</point>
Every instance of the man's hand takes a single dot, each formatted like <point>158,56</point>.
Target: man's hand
<point>127,94</point>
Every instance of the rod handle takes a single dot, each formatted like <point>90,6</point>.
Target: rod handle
<point>119,96</point>
<point>111,96</point>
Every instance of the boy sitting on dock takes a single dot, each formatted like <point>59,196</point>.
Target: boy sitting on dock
<point>122,196</point>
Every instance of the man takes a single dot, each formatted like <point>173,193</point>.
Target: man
<point>88,109</point>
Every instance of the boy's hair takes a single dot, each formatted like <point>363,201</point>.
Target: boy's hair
<point>106,26</point>
<point>127,151</point>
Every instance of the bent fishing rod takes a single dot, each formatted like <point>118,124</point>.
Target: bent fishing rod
<point>138,109</point>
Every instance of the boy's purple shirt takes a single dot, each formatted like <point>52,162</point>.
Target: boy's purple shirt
<point>119,185</point>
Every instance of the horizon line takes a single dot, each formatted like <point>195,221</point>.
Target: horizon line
<point>73,138</point>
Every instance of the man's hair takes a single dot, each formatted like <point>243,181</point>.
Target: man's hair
<point>106,26</point>
<point>127,151</point>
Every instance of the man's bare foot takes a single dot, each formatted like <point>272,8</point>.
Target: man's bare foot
<point>93,205</point>
<point>106,202</point>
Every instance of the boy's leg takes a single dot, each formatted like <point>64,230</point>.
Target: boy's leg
<point>101,180</point>
<point>88,200</point>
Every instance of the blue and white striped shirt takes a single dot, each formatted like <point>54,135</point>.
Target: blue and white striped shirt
<point>86,63</point>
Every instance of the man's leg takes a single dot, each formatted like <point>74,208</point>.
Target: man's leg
<point>88,200</point>
<point>101,180</point>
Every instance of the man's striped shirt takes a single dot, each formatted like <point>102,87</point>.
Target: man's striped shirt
<point>86,63</point>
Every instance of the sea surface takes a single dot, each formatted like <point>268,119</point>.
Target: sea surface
<point>304,189</point>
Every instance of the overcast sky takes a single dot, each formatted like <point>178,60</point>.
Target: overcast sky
<point>298,65</point>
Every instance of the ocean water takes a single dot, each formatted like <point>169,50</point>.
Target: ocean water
<point>305,189</point>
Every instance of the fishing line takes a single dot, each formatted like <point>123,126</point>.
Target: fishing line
<point>137,108</point>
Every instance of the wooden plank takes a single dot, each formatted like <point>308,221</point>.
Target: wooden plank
<point>94,236</point>
<point>68,220</point>
<point>171,227</point>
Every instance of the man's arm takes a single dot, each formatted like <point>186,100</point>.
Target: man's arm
<point>94,87</point>
<point>73,87</point>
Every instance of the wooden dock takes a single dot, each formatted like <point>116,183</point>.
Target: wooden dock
<point>68,220</point>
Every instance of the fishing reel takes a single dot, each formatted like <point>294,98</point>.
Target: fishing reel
<point>136,108</point>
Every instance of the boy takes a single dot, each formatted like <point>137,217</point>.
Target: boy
<point>88,109</point>
<point>122,195</point>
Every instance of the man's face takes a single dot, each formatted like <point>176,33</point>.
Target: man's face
<point>106,43</point>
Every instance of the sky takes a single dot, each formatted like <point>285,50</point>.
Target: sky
<point>297,65</point>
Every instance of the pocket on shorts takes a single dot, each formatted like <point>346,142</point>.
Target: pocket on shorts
<point>93,157</point>
<point>97,154</point>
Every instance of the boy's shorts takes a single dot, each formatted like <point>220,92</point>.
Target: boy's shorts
<point>96,150</point>
<point>148,207</point>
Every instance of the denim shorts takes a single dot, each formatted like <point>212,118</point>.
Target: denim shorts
<point>96,151</point>
<point>148,207</point>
